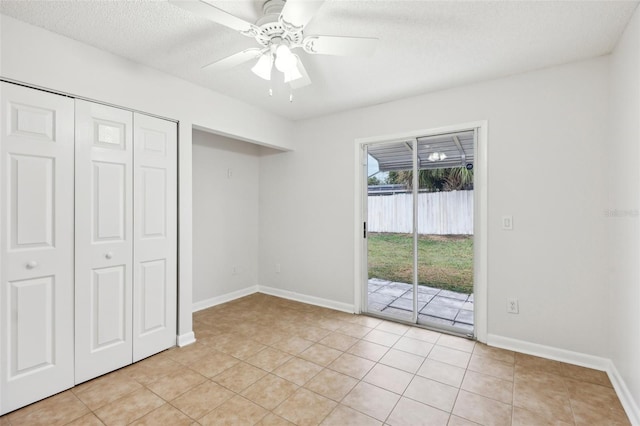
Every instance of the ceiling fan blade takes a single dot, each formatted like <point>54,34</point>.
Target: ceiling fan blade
<point>219,16</point>
<point>339,45</point>
<point>297,13</point>
<point>301,82</point>
<point>233,60</point>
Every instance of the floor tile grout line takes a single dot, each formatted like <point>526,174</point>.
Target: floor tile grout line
<point>564,373</point>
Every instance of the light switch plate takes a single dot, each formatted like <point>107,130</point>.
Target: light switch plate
<point>507,223</point>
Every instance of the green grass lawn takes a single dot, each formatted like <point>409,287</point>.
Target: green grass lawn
<point>444,261</point>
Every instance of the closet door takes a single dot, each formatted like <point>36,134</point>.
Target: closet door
<point>155,235</point>
<point>36,238</point>
<point>104,239</point>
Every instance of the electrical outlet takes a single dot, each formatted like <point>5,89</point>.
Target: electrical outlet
<point>235,270</point>
<point>512,306</point>
<point>277,268</point>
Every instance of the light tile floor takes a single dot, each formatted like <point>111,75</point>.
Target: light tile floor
<point>435,306</point>
<point>270,361</point>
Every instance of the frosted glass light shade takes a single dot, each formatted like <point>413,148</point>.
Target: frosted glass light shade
<point>294,72</point>
<point>285,60</point>
<point>263,67</point>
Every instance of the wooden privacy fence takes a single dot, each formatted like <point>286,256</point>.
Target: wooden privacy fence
<point>440,213</point>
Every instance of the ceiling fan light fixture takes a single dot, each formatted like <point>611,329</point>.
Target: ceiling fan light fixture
<point>437,156</point>
<point>263,67</point>
<point>294,72</point>
<point>292,75</point>
<point>280,30</point>
<point>285,60</point>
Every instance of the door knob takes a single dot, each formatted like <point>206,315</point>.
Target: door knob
<point>31,264</point>
<point>109,255</point>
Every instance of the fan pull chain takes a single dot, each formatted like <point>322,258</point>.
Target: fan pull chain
<point>290,94</point>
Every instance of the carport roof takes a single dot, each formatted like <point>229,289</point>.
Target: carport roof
<point>434,152</point>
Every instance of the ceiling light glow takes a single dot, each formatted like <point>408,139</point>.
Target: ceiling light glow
<point>285,60</point>
<point>437,156</point>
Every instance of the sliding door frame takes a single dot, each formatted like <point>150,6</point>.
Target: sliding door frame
<point>364,154</point>
<point>480,129</point>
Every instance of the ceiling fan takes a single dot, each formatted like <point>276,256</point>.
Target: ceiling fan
<point>279,32</point>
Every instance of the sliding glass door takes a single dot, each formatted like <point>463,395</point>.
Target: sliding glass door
<point>391,286</point>
<point>419,231</point>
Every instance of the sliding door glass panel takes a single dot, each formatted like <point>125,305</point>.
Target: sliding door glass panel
<point>445,231</point>
<point>390,231</point>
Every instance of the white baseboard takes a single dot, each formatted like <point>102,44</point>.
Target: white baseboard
<point>626,399</point>
<point>186,339</point>
<point>228,297</point>
<point>549,352</point>
<point>576,358</point>
<point>312,300</point>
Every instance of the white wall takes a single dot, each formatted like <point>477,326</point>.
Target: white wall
<point>546,135</point>
<point>41,58</point>
<point>225,216</point>
<point>623,204</point>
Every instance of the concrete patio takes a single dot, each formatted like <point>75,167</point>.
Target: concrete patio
<point>434,305</point>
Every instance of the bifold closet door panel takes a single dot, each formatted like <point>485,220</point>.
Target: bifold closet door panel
<point>36,238</point>
<point>155,235</point>
<point>103,239</point>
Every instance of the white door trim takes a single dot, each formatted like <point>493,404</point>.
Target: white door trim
<point>480,214</point>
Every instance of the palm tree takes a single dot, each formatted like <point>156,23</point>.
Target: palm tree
<point>459,178</point>
<point>433,180</point>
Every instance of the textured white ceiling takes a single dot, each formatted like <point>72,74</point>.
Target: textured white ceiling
<point>424,45</point>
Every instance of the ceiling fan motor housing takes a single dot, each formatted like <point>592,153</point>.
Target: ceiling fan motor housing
<point>273,30</point>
